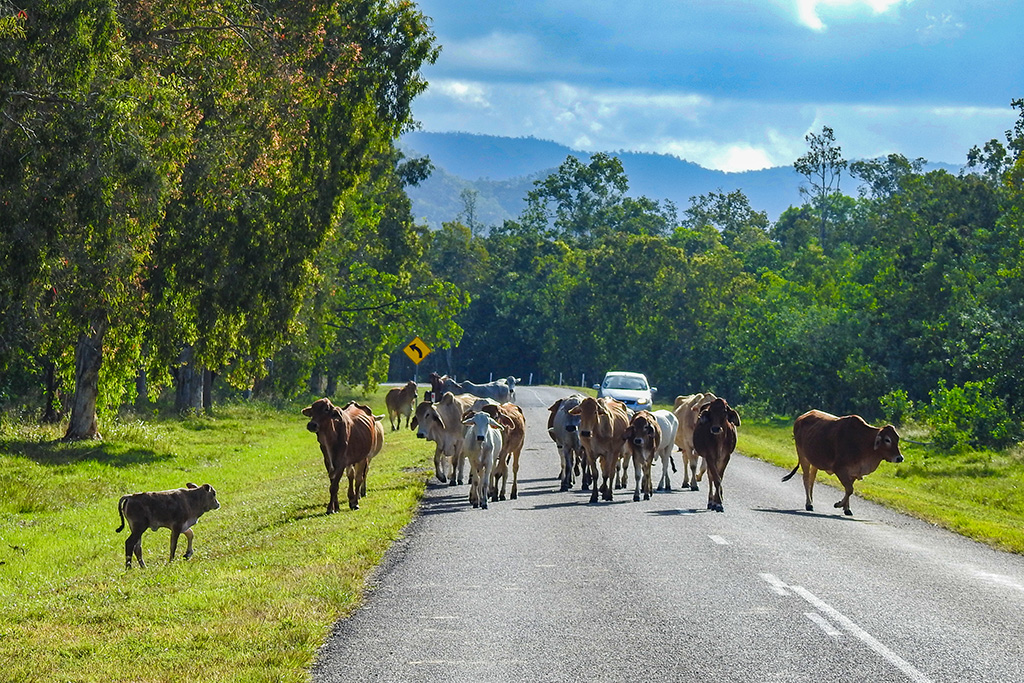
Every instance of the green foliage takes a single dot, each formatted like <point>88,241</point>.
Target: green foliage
<point>969,416</point>
<point>896,406</point>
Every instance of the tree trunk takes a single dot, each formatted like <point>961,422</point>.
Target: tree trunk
<point>330,385</point>
<point>51,399</point>
<point>141,391</point>
<point>208,376</point>
<point>188,384</point>
<point>88,360</point>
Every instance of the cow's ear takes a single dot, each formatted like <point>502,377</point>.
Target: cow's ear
<point>734,417</point>
<point>495,424</point>
<point>415,422</point>
<point>554,406</point>
<point>336,413</point>
<point>440,420</point>
<point>878,439</point>
<point>206,487</point>
<point>308,411</point>
<point>190,485</point>
<point>574,411</point>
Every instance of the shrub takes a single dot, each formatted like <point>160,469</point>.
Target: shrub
<point>896,406</point>
<point>969,416</point>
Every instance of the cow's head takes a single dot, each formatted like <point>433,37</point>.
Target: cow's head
<point>478,424</point>
<point>887,443</point>
<point>587,412</point>
<point>718,415</point>
<point>425,416</point>
<point>321,410</point>
<point>641,430</point>
<point>207,496</point>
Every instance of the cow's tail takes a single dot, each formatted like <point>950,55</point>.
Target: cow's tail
<point>120,511</point>
<point>672,461</point>
<point>790,475</point>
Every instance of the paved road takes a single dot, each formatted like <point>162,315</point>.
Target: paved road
<point>551,588</point>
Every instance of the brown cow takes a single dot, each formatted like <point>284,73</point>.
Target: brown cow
<point>602,423</point>
<point>176,509</point>
<point>399,402</point>
<point>714,439</point>
<point>847,447</point>
<point>361,468</point>
<point>513,423</point>
<point>346,437</point>
<point>643,439</point>
<point>686,410</point>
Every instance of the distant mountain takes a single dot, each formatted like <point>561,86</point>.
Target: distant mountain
<point>502,170</point>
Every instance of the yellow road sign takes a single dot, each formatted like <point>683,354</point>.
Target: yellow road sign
<point>417,350</point>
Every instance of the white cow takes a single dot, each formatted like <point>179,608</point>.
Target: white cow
<point>669,427</point>
<point>482,444</point>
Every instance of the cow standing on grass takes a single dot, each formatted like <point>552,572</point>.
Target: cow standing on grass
<point>176,509</point>
<point>346,437</point>
<point>714,439</point>
<point>847,447</point>
<point>400,401</point>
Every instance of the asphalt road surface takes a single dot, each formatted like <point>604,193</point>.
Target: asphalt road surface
<point>549,587</point>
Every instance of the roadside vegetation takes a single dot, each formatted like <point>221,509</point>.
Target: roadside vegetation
<point>270,575</point>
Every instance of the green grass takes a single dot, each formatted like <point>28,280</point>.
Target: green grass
<point>979,495</point>
<point>271,572</point>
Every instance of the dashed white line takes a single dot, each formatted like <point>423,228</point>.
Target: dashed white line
<point>777,586</point>
<point>824,624</point>
<point>719,540</point>
<point>865,637</point>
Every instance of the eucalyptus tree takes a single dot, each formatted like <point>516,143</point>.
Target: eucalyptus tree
<point>822,166</point>
<point>91,144</point>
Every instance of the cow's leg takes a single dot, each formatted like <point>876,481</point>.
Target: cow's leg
<point>175,532</point>
<point>332,502</point>
<point>134,545</point>
<point>594,488</point>
<point>439,468</point>
<point>713,480</point>
<point>636,476</point>
<point>664,484</point>
<point>809,474</point>
<point>610,470</point>
<point>353,489</point>
<point>188,536</point>
<point>566,474</point>
<point>847,482</point>
<point>485,480</point>
<point>515,475</point>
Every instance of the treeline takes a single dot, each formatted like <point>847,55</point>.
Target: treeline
<point>202,190</point>
<point>904,296</point>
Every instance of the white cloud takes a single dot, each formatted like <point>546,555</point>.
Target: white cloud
<point>807,10</point>
<point>724,134</point>
<point>497,52</point>
<point>940,28</point>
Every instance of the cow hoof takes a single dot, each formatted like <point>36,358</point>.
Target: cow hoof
<point>451,482</point>
<point>694,487</point>
<point>711,506</point>
<point>809,507</point>
<point>848,513</point>
<point>647,496</point>
<point>719,508</point>
<point>636,497</point>
<point>514,496</point>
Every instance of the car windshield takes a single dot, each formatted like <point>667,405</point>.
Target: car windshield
<point>628,383</point>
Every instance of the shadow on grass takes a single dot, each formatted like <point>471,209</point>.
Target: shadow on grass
<point>59,453</point>
<point>953,471</point>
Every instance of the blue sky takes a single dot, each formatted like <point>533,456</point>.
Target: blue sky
<point>729,84</point>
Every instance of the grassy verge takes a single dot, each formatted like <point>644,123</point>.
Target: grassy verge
<point>270,575</point>
<point>979,495</point>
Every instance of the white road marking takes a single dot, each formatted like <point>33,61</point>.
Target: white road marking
<point>824,624</point>
<point>719,540</point>
<point>778,587</point>
<point>865,637</point>
<point>999,580</point>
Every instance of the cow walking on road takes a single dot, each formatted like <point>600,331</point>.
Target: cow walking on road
<point>714,439</point>
<point>847,447</point>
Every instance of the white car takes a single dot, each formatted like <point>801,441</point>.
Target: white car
<point>632,388</point>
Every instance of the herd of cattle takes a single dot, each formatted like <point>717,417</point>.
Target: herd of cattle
<point>597,440</point>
